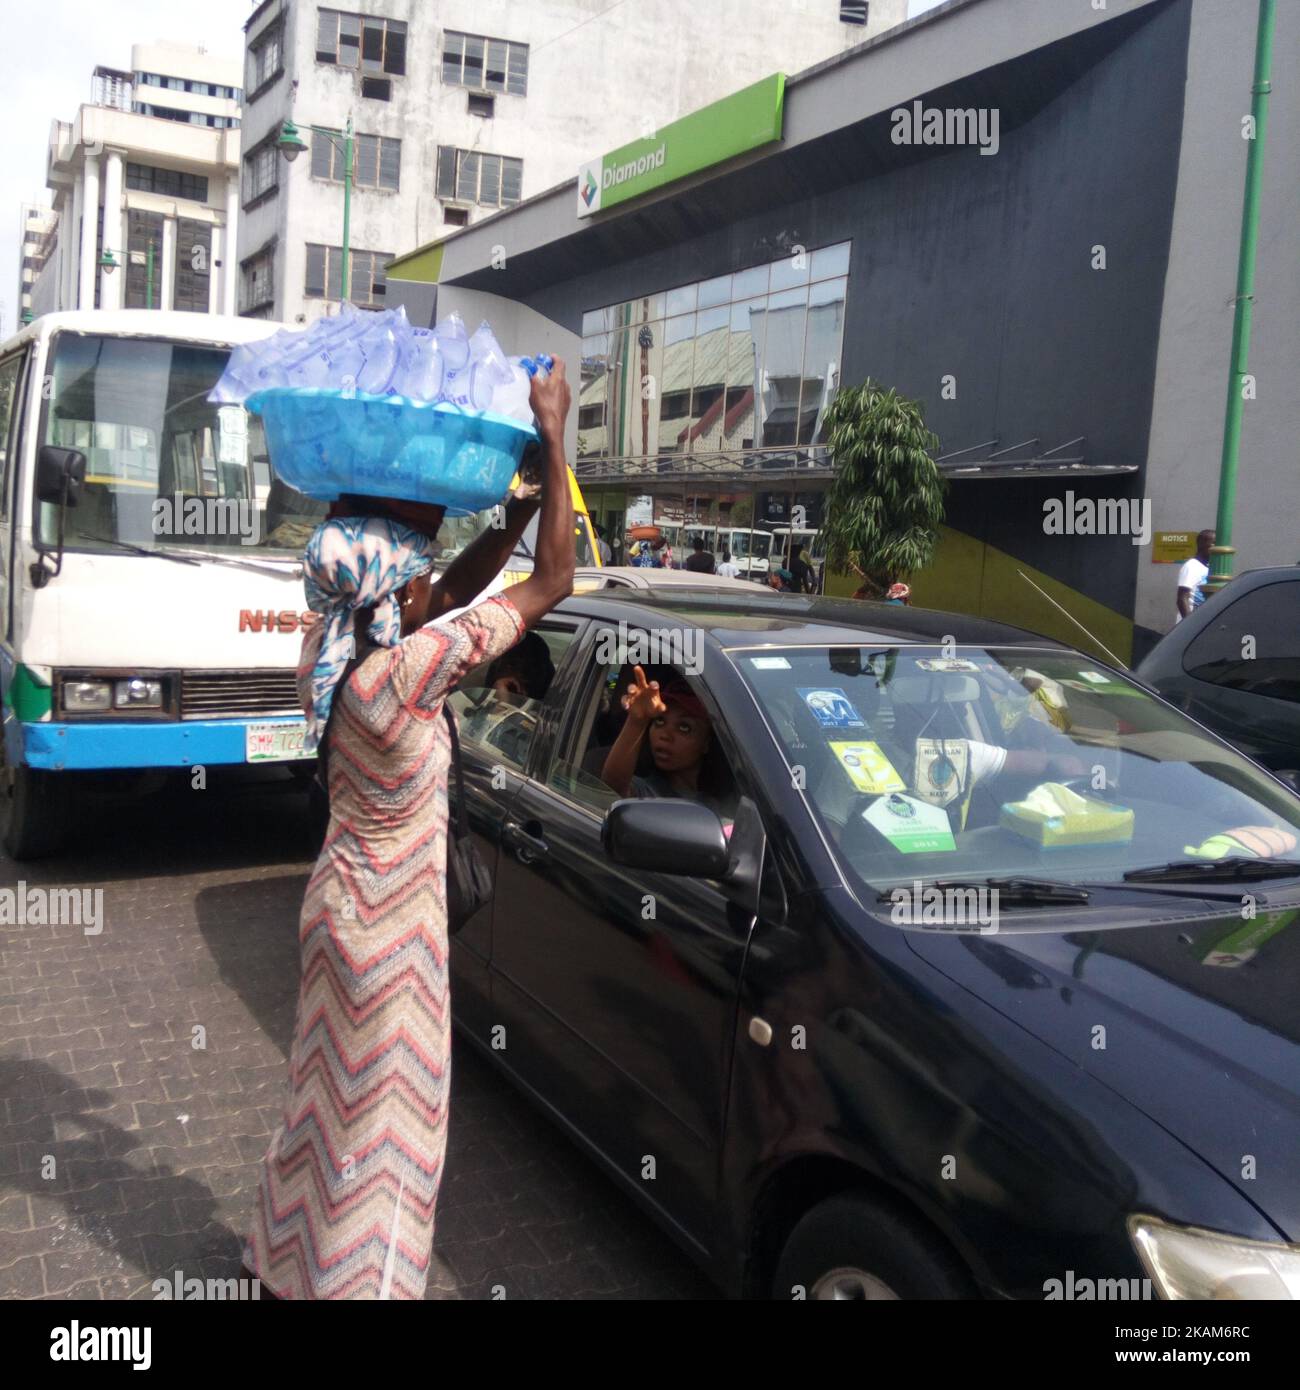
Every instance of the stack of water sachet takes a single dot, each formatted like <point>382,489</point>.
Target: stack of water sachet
<point>365,403</point>
<point>382,354</point>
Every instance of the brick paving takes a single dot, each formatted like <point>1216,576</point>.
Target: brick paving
<point>155,1142</point>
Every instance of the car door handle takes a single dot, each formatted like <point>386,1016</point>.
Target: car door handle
<point>528,848</point>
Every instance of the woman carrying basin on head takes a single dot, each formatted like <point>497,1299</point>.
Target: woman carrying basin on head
<point>349,1185</point>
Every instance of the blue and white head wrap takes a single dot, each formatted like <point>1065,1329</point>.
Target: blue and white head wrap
<point>351,563</point>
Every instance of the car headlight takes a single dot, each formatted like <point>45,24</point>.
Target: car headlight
<point>137,693</point>
<point>80,697</point>
<point>1185,1263</point>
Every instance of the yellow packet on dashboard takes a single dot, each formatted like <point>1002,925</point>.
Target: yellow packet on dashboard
<point>868,768</point>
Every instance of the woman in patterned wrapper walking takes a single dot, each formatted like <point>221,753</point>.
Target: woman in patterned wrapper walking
<point>345,1204</point>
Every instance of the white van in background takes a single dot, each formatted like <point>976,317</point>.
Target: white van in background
<point>151,596</point>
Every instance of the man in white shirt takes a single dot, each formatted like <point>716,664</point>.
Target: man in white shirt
<point>1193,574</point>
<point>728,569</point>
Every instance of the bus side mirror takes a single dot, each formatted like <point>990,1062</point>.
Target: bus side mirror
<point>60,474</point>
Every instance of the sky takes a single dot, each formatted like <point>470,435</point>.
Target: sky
<point>51,48</point>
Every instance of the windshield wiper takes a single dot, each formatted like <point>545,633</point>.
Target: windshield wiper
<point>137,549</point>
<point>1014,892</point>
<point>198,557</point>
<point>1233,868</point>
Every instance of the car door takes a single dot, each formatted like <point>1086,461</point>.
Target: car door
<point>499,736</point>
<point>620,987</point>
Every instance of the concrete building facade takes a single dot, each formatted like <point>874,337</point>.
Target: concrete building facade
<point>147,171</point>
<point>1059,296</point>
<point>462,107</point>
<point>36,231</point>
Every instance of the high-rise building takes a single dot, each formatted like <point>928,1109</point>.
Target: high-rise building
<point>144,184</point>
<point>36,225</point>
<point>463,107</point>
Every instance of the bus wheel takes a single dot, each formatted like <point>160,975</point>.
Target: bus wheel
<point>33,811</point>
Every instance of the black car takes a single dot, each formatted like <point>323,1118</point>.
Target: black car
<point>1234,665</point>
<point>975,975</point>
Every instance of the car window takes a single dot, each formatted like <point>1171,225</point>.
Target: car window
<point>1253,645</point>
<point>499,703</point>
<point>676,754</point>
<point>919,762</point>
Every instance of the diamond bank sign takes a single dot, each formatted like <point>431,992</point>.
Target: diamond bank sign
<point>743,121</point>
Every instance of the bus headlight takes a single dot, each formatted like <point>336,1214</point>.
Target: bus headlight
<point>1183,1262</point>
<point>137,693</point>
<point>83,697</point>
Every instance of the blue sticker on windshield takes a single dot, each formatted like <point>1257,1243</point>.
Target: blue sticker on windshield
<point>831,707</point>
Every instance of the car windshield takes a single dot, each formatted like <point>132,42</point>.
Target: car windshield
<point>928,762</point>
<point>164,468</point>
<point>755,545</point>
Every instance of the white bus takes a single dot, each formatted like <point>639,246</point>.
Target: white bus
<point>150,579</point>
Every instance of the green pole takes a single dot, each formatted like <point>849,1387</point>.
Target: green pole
<point>347,208</point>
<point>148,276</point>
<point>1221,563</point>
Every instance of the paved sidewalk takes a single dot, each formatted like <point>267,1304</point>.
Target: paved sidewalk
<point>155,1142</point>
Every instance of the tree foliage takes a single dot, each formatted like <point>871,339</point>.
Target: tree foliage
<point>884,506</point>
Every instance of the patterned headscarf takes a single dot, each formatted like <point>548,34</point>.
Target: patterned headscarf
<point>351,563</point>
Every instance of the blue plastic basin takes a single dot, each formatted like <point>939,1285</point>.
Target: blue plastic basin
<point>325,443</point>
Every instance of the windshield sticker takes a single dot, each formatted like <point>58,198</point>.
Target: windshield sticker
<point>1242,944</point>
<point>832,708</point>
<point>769,663</point>
<point>1096,677</point>
<point>951,663</point>
<point>942,769</point>
<point>868,768</point>
<point>910,825</point>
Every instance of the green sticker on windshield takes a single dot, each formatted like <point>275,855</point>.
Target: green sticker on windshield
<point>911,825</point>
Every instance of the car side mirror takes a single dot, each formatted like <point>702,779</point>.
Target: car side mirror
<point>667,835</point>
<point>60,474</point>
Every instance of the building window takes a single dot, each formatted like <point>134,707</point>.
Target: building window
<point>469,176</point>
<point>377,88</point>
<point>170,183</point>
<point>255,281</point>
<point>480,105</point>
<point>143,230</point>
<point>360,41</point>
<point>854,12</point>
<point>744,359</point>
<point>376,160</point>
<point>265,59</point>
<point>193,283</point>
<point>261,172</point>
<point>456,217</point>
<point>367,286</point>
<point>488,65</point>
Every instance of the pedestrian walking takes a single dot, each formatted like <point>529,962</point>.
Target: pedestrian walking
<point>1192,576</point>
<point>728,569</point>
<point>349,1184</point>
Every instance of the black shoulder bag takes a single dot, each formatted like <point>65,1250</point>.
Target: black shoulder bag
<point>469,880</point>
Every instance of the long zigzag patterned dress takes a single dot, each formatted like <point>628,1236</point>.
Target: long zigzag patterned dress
<point>349,1184</point>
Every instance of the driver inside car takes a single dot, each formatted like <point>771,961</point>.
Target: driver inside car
<point>687,762</point>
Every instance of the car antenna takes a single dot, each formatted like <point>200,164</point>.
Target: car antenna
<point>1076,622</point>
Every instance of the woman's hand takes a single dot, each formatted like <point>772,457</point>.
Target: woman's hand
<point>642,700</point>
<point>550,397</point>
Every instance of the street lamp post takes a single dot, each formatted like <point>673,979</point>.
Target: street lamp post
<point>291,145</point>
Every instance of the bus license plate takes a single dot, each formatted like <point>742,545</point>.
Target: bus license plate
<point>275,743</point>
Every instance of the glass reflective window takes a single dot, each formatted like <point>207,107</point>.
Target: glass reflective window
<point>716,291</point>
<point>681,300</point>
<point>831,262</point>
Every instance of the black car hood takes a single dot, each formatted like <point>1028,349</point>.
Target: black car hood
<point>1195,1022</point>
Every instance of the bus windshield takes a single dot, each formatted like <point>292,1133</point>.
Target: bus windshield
<point>742,541</point>
<point>458,531</point>
<point>164,468</point>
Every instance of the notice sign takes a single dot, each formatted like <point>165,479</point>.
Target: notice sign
<point>1172,547</point>
<point>743,121</point>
